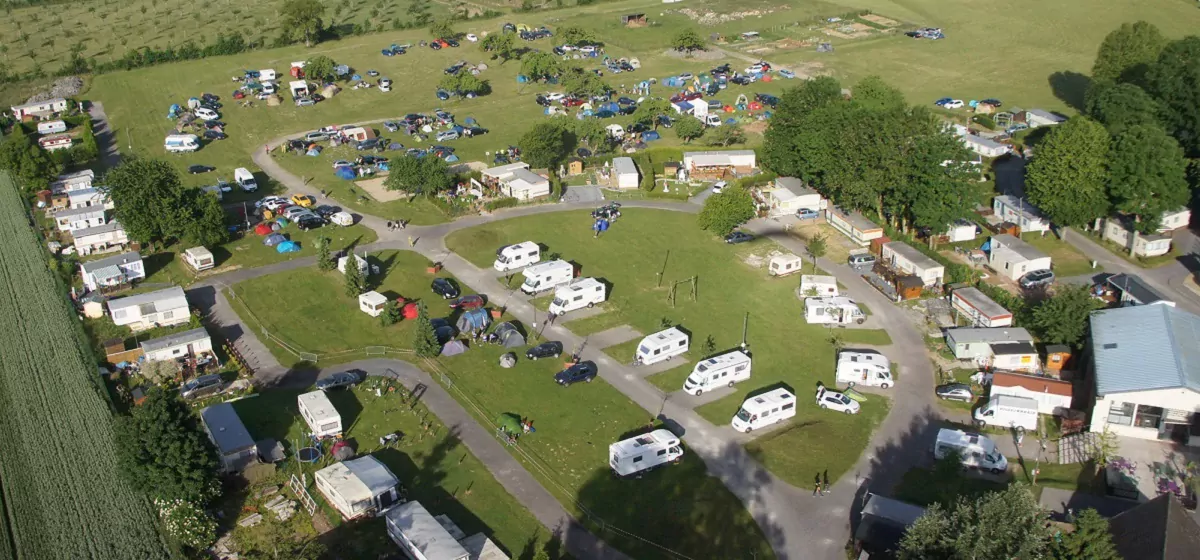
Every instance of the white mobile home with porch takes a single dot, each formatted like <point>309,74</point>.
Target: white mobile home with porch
<point>904,258</point>
<point>1120,231</point>
<point>1019,211</point>
<point>163,308</point>
<point>74,218</point>
<point>980,310</point>
<point>787,195</point>
<point>516,180</point>
<point>112,271</point>
<point>39,109</point>
<point>1012,258</point>
<point>193,343</point>
<point>100,239</point>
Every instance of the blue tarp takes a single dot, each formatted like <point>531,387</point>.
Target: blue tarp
<point>287,247</point>
<point>685,106</point>
<point>345,172</point>
<point>650,136</point>
<point>273,239</point>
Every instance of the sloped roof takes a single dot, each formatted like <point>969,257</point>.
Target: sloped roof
<point>624,165</point>
<point>1033,383</point>
<point>359,479</point>
<point>424,532</point>
<point>161,300</point>
<point>185,337</point>
<point>1157,529</point>
<point>989,335</point>
<point>1136,288</point>
<point>111,226</point>
<point>1018,246</point>
<point>1145,347</point>
<point>115,260</point>
<point>227,430</point>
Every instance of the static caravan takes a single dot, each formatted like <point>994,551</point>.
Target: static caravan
<point>790,195</point>
<point>193,345</point>
<point>643,453</point>
<point>359,487</point>
<point>1019,211</point>
<point>1015,356</point>
<point>546,276</point>
<point>1053,396</point>
<point>864,368</point>
<point>299,88</point>
<point>179,143</point>
<point>854,225</point>
<point>421,536</point>
<point>783,265</point>
<point>662,346</point>
<point>906,259</point>
<point>512,257</point>
<point>55,142</point>
<point>199,258</point>
<point>584,292</point>
<point>320,415</point>
<point>52,127</point>
<point>625,173</point>
<point>1013,258</point>
<point>961,230</point>
<point>815,285</point>
<point>724,370</point>
<point>763,410</point>
<point>266,75</point>
<point>835,311</point>
<point>975,450</point>
<point>979,309</point>
<point>1007,411</point>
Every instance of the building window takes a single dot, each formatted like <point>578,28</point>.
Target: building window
<point>1148,416</point>
<point>1121,413</point>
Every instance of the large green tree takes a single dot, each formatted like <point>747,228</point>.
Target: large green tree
<point>418,176</point>
<point>688,128</point>
<point>1005,524</point>
<point>321,68</point>
<point>1147,175</point>
<point>1126,52</point>
<point>874,93</point>
<point>725,135</point>
<point>1118,106</point>
<point>545,145</point>
<point>727,210</point>
<point>1068,177</point>
<point>148,198</point>
<point>205,223</point>
<point>582,82</point>
<point>500,46</point>
<point>578,36</point>
<point>1175,81</point>
<point>29,164</point>
<point>355,280</point>
<point>442,29</point>
<point>649,110</point>
<point>1089,541</point>
<point>425,342</point>
<point>687,40</point>
<point>303,17</point>
<point>464,83</point>
<point>162,450</point>
<point>1063,317</point>
<point>540,66</point>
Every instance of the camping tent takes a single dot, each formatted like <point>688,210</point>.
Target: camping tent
<point>345,172</point>
<point>262,229</point>
<point>509,336</point>
<point>288,247</point>
<point>508,360</point>
<point>274,239</point>
<point>650,135</point>
<point>454,348</point>
<point>474,319</point>
<point>410,311</point>
<point>281,222</point>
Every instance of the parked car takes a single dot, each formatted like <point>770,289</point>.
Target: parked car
<point>310,221</point>
<point>719,186</point>
<point>270,202</point>
<point>339,380</point>
<point>385,84</point>
<point>685,76</point>
<point>446,135</point>
<point>993,102</point>
<point>471,37</point>
<point>475,131</point>
<point>214,135</point>
<point>303,200</point>
<point>807,214</point>
<point>325,210</point>
<point>955,392</point>
<point>445,287</point>
<point>769,100</point>
<point>391,126</point>
<point>316,136</point>
<point>582,371</point>
<point>454,68</point>
<point>368,144</point>
<point>550,349</point>
<point>442,94</point>
<point>953,104</point>
<point>834,400</point>
<point>305,102</point>
<point>341,163</point>
<point>554,96</point>
<point>738,237</point>
<point>202,386</point>
<point>541,100</point>
<point>293,212</point>
<point>198,169</point>
<point>572,101</point>
<point>317,98</point>
<point>207,114</point>
<point>943,101</point>
<point>468,303</point>
<point>435,45</point>
<point>1037,278</point>
<point>861,260</point>
<point>787,73</point>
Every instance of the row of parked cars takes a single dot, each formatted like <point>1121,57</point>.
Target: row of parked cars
<point>299,209</point>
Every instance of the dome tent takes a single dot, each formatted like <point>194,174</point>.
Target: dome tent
<point>274,239</point>
<point>509,336</point>
<point>262,229</point>
<point>288,247</point>
<point>454,348</point>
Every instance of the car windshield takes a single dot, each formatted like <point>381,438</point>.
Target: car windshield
<point>994,457</point>
<point>558,301</point>
<point>842,399</point>
<point>743,415</point>
<point>502,259</point>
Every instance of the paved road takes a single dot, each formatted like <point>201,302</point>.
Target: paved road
<point>106,139</point>
<point>1167,279</point>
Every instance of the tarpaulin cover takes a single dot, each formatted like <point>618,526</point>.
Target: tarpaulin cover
<point>262,229</point>
<point>288,247</point>
<point>454,348</point>
<point>509,336</point>
<point>274,239</point>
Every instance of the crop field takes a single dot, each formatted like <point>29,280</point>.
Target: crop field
<point>62,494</point>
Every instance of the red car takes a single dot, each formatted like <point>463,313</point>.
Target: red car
<point>468,303</point>
<point>572,102</point>
<point>686,96</point>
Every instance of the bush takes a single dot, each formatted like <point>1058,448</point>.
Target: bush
<point>506,202</point>
<point>984,121</point>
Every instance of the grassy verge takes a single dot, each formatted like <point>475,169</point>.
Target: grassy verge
<point>873,337</point>
<point>671,380</point>
<point>925,487</point>
<point>1066,260</point>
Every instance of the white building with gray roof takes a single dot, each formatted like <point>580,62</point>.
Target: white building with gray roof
<point>187,343</point>
<point>112,271</point>
<point>1012,257</point>
<point>162,308</point>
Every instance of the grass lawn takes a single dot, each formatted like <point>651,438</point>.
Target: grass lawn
<point>671,380</point>
<point>816,441</point>
<point>631,254</point>
<point>872,337</point>
<point>925,487</point>
<point>1082,477</point>
<point>1065,260</point>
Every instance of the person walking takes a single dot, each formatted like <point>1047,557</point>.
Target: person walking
<point>817,485</point>
<point>389,226</point>
<point>552,317</point>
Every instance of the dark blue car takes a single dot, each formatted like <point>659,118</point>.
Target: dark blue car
<point>583,371</point>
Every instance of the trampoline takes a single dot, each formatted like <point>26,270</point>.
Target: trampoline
<point>309,454</point>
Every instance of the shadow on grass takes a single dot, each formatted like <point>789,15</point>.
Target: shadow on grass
<point>1070,88</point>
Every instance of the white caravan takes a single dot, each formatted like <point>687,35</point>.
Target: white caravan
<point>833,311</point>
<point>726,369</point>
<point>320,415</point>
<point>1007,411</point>
<point>637,455</point>
<point>782,265</point>
<point>662,346</point>
<point>177,143</point>
<point>864,368</point>
<point>52,127</point>
<point>584,292</point>
<point>245,179</point>
<point>521,255</point>
<point>975,450</point>
<point>547,276</point>
<point>763,410</point>
<point>815,285</point>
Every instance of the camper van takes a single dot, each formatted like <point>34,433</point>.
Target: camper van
<point>52,127</point>
<point>834,311</point>
<point>584,292</point>
<point>1007,411</point>
<point>320,415</point>
<point>763,410</point>
<point>177,143</point>
<point>864,368</point>
<point>640,454</point>
<point>245,179</point>
<point>726,369</point>
<point>813,285</point>
<point>662,346</point>
<point>521,255</point>
<point>546,276</point>
<point>976,451</point>
<point>266,75</point>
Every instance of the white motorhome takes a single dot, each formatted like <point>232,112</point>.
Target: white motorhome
<point>320,415</point>
<point>547,275</point>
<point>834,310</point>
<point>815,285</point>
<point>1008,411</point>
<point>512,257</point>
<point>864,368</point>
<point>640,454</point>
<point>975,450</point>
<point>245,179</point>
<point>584,292</point>
<point>266,75</point>
<point>52,127</point>
<point>177,143</point>
<point>763,410</point>
<point>726,369</point>
<point>662,346</point>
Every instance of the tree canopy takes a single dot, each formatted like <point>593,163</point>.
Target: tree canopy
<point>725,135</point>
<point>465,82</point>
<point>725,211</point>
<point>425,342</point>
<point>1126,53</point>
<point>649,110</point>
<point>1118,106</point>
<point>1067,180</point>
<point>355,282</point>
<point>163,451</point>
<point>1089,541</point>
<point>321,68</point>
<point>578,36</point>
<point>688,128</point>
<point>303,17</point>
<point>544,145</point>
<point>418,176</point>
<point>1174,80</point>
<point>688,40</point>
<point>875,94</point>
<point>500,46</point>
<point>153,205</point>
<point>29,164</point>
<point>442,29</point>
<point>1147,175</point>
<point>1063,317</point>
<point>540,66</point>
<point>582,82</point>
<point>1005,524</point>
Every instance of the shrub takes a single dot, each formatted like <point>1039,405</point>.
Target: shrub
<point>506,202</point>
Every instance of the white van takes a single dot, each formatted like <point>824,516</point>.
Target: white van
<point>52,127</point>
<point>1008,411</point>
<point>177,143</point>
<point>266,75</point>
<point>864,368</point>
<point>269,88</point>
<point>319,413</point>
<point>975,450</point>
<point>726,369</point>
<point>548,275</point>
<point>643,453</point>
<point>833,310</point>
<point>245,179</point>
<point>521,255</point>
<point>207,114</point>
<point>763,410</point>
<point>584,292</point>
<point>815,285</point>
<point>710,120</point>
<point>662,346</point>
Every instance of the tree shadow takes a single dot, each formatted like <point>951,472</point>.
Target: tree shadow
<point>1070,88</point>
<point>348,407</point>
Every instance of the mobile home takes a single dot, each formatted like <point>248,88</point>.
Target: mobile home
<point>358,487</point>
<point>235,447</point>
<point>1007,411</point>
<point>662,346</point>
<point>584,292</point>
<point>625,173</point>
<point>763,410</point>
<point>783,265</point>
<point>976,343</point>
<point>546,276</point>
<point>906,259</point>
<point>974,450</point>
<point>1053,396</point>
<point>979,309</point>
<point>815,285</point>
<point>52,127</point>
<point>178,143</point>
<point>724,370</point>
<point>790,195</point>
<point>320,415</point>
<point>512,257</point>
<point>1012,257</point>
<point>864,368</point>
<point>112,271</point>
<point>643,453</point>
<point>193,345</point>
<point>854,225</point>
<point>421,536</point>
<point>55,142</point>
<point>1019,211</point>
<point>199,258</point>
<point>835,311</point>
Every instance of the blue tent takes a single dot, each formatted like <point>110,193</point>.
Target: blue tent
<point>470,121</point>
<point>356,77</point>
<point>475,319</point>
<point>274,239</point>
<point>451,158</point>
<point>288,247</point>
<point>252,73</point>
<point>731,121</point>
<point>383,166</point>
<point>600,225</point>
<point>459,129</point>
<point>610,106</point>
<point>341,70</point>
<point>345,172</point>
<point>684,106</point>
<point>315,151</point>
<point>522,79</point>
<point>650,136</point>
<point>282,222</point>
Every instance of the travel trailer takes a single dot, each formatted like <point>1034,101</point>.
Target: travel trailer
<point>726,369</point>
<point>245,179</point>
<point>763,410</point>
<point>52,127</point>
<point>813,285</point>
<point>178,143</point>
<point>512,257</point>
<point>584,292</point>
<point>864,368</point>
<point>782,265</point>
<point>662,346</point>
<point>1007,411</point>
<point>320,415</point>
<point>547,276</point>
<point>834,310</point>
<point>637,455</point>
<point>975,450</point>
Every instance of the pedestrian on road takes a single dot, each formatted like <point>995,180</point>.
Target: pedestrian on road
<point>389,226</point>
<point>817,485</point>
<point>412,242</point>
<point>825,482</point>
<point>552,317</point>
